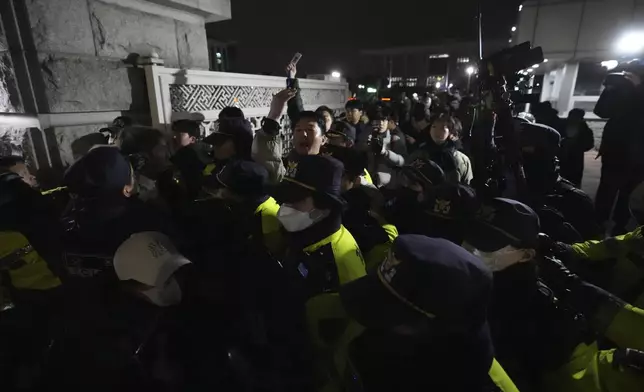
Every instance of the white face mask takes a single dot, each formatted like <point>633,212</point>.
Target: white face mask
<point>502,258</point>
<point>168,295</point>
<point>295,220</point>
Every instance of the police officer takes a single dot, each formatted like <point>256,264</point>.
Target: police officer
<point>424,310</point>
<point>613,263</point>
<point>191,156</point>
<point>243,185</point>
<point>29,275</point>
<point>534,315</point>
<point>321,253</point>
<point>103,214</point>
<point>232,139</point>
<point>540,145</point>
<point>342,135</point>
<point>416,179</point>
<point>364,215</point>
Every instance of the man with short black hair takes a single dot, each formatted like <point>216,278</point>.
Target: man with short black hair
<point>268,146</point>
<point>354,112</point>
<point>386,149</point>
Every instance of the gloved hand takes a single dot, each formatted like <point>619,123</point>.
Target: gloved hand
<point>559,278</point>
<point>550,247</point>
<point>377,145</point>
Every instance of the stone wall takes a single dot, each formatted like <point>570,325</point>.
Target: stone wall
<point>11,138</point>
<point>83,59</point>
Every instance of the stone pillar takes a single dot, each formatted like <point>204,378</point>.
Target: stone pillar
<point>568,82</point>
<point>79,70</point>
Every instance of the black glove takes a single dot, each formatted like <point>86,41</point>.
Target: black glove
<point>629,358</point>
<point>376,145</point>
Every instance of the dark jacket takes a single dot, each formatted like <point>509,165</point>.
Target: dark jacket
<point>455,164</point>
<point>190,162</point>
<point>572,152</point>
<point>373,234</point>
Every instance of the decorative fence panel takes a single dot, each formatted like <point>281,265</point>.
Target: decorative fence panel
<point>178,94</point>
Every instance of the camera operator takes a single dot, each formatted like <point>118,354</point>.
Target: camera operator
<point>621,146</point>
<point>388,149</point>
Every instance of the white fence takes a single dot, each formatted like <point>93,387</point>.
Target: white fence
<point>178,93</point>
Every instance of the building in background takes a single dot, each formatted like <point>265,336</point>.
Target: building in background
<point>221,55</point>
<point>582,40</point>
<point>428,67</point>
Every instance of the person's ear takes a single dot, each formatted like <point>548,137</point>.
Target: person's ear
<point>349,143</point>
<point>324,140</point>
<point>193,139</point>
<point>128,190</point>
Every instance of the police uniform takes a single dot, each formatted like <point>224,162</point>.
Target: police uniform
<point>538,334</point>
<point>438,293</point>
<point>249,181</point>
<point>365,203</point>
<point>321,257</point>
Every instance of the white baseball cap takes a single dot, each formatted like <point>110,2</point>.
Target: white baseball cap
<point>148,257</point>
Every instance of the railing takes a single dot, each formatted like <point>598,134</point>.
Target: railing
<point>178,93</point>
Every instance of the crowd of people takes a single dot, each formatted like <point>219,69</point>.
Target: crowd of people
<point>355,257</point>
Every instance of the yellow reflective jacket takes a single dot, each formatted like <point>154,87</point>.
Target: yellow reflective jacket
<point>593,370</point>
<point>627,277</point>
<point>23,265</point>
<point>272,235</point>
<point>330,329</point>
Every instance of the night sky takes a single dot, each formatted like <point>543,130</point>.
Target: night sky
<point>330,33</point>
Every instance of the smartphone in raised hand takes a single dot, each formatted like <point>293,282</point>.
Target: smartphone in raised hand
<point>296,58</point>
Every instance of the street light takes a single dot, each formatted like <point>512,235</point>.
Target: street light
<point>361,86</point>
<point>514,28</point>
<point>631,43</point>
<point>535,66</point>
<point>469,71</point>
<point>545,60</point>
<point>371,90</point>
<point>438,84</point>
<point>520,7</point>
<point>610,64</point>
<point>450,85</point>
<point>336,74</point>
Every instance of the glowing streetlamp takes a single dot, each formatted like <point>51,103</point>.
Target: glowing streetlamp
<point>336,74</point>
<point>469,71</point>
<point>438,84</point>
<point>371,90</point>
<point>514,28</point>
<point>631,43</point>
<point>610,64</point>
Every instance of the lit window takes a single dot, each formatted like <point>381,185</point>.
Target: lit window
<point>411,82</point>
<point>463,60</point>
<point>439,56</point>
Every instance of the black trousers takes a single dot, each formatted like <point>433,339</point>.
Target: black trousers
<point>615,187</point>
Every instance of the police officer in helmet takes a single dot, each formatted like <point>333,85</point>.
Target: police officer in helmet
<point>424,310</point>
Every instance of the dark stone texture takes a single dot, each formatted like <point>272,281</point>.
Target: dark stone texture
<point>78,84</point>
<point>192,45</point>
<point>61,26</point>
<point>118,32</point>
<point>74,141</point>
